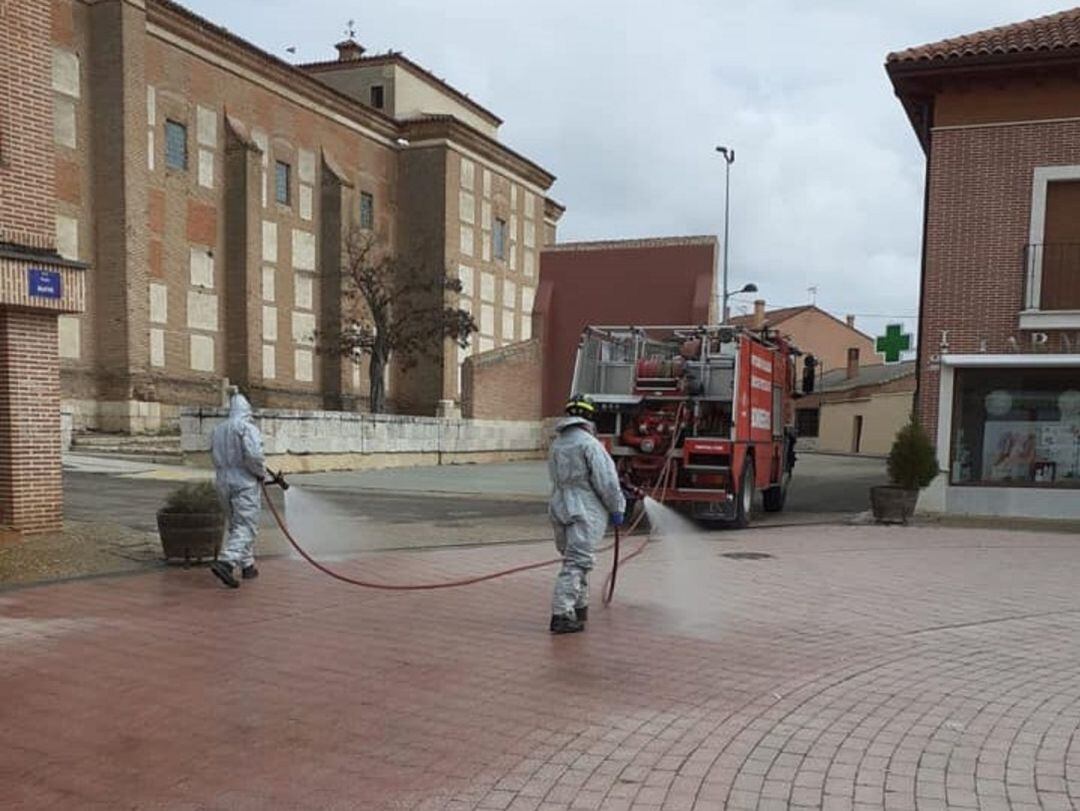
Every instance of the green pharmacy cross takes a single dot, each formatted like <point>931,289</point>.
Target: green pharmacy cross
<point>894,342</point>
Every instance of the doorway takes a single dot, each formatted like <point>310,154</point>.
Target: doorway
<point>856,434</point>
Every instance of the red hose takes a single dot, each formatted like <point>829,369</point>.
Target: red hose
<point>447,584</point>
<point>609,584</point>
<point>661,486</point>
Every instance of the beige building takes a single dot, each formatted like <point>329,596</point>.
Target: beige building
<point>857,409</point>
<point>210,183</point>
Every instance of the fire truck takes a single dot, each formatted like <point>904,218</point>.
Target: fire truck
<point>701,416</point>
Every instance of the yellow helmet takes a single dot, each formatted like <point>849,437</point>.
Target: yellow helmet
<point>581,406</point>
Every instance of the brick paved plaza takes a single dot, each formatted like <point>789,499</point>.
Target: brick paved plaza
<point>857,667</point>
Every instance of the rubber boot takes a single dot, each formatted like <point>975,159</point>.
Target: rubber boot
<point>582,613</point>
<point>565,625</point>
<point>249,572</point>
<point>225,572</point>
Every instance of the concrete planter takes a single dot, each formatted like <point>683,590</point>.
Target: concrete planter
<point>893,505</point>
<point>190,536</point>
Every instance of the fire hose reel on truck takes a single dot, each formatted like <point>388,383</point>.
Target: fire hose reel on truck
<point>707,412</point>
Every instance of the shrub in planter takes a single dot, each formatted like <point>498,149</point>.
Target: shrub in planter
<point>912,465</point>
<point>191,523</point>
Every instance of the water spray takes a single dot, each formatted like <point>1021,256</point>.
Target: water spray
<point>659,490</point>
<point>609,586</point>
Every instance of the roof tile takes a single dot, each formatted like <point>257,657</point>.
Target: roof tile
<point>1055,32</point>
<point>772,317</point>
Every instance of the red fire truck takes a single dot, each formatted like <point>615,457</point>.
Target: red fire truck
<point>702,415</point>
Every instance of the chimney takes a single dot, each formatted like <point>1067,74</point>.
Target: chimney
<point>759,313</point>
<point>851,321</point>
<point>852,362</point>
<point>349,50</point>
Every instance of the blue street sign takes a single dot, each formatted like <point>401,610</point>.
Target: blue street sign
<point>45,284</point>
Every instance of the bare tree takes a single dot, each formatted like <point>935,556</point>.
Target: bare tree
<point>394,307</point>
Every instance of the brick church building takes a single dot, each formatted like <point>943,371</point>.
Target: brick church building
<point>210,184</point>
<point>998,116</point>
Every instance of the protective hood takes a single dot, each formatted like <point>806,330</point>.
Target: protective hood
<point>239,408</point>
<point>570,422</point>
<point>236,447</point>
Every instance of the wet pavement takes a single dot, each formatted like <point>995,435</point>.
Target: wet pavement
<point>131,494</point>
<point>838,667</point>
<point>110,506</point>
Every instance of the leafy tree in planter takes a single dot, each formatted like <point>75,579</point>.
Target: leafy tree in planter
<point>912,462</point>
<point>394,306</point>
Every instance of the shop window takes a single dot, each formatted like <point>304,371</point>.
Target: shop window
<point>175,145</point>
<point>1016,427</point>
<point>282,179</point>
<point>807,421</point>
<point>367,210</point>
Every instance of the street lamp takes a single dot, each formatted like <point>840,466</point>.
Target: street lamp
<point>749,287</point>
<point>729,158</point>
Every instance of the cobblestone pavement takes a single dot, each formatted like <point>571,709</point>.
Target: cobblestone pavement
<point>857,667</point>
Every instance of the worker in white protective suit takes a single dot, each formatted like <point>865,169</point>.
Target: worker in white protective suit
<point>236,446</point>
<point>585,495</point>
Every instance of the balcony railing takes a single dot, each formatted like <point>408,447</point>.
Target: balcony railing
<point>1052,276</point>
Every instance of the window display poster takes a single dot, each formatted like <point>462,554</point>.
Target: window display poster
<point>1009,450</point>
<point>1031,451</point>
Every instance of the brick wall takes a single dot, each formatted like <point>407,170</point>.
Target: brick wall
<point>978,223</point>
<point>75,192</point>
<point>422,200</point>
<point>115,73</point>
<point>499,291</point>
<point>650,281</point>
<point>503,384</point>
<point>30,472</point>
<point>26,155</point>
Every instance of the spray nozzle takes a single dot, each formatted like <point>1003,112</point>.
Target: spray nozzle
<point>278,479</point>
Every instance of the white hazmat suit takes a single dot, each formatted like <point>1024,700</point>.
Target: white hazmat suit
<point>585,493</point>
<point>236,446</point>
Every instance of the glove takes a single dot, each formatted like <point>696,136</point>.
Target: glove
<point>617,519</point>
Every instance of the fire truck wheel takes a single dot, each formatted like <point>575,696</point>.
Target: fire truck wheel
<point>744,501</point>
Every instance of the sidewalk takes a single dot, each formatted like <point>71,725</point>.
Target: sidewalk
<point>853,667</point>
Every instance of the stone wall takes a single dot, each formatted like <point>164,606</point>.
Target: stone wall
<point>122,417</point>
<point>330,440</point>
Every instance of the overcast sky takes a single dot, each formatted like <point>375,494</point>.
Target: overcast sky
<point>625,101</point>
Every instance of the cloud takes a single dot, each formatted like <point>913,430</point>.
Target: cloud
<point>626,100</point>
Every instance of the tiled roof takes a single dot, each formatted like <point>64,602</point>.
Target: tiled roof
<point>1053,33</point>
<point>876,375</point>
<point>772,317</point>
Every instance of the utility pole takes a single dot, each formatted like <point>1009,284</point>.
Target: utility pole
<point>729,158</point>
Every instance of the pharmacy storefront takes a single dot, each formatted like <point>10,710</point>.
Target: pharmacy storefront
<point>1008,436</point>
